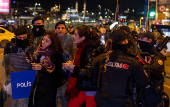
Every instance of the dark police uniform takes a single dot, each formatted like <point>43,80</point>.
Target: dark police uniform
<point>116,81</point>
<point>14,61</point>
<point>158,69</point>
<point>18,45</point>
<point>118,72</point>
<point>13,48</point>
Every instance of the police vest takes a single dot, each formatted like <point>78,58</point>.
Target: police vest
<point>116,80</point>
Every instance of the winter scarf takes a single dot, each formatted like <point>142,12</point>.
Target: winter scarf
<point>46,62</point>
<point>72,91</point>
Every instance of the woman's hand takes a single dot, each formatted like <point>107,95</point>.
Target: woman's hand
<point>28,60</point>
<point>36,66</point>
<point>69,66</point>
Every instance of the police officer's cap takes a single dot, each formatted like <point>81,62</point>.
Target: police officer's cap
<point>147,34</point>
<point>37,18</point>
<point>118,36</point>
<point>127,29</point>
<point>20,31</point>
<point>134,33</point>
<point>60,22</point>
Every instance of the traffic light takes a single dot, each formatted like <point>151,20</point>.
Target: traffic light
<point>152,9</point>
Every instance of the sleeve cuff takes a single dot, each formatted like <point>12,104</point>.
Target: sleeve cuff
<point>75,71</point>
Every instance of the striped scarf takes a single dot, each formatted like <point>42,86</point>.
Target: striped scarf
<point>46,62</point>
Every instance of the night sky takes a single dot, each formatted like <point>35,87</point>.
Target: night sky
<point>92,5</point>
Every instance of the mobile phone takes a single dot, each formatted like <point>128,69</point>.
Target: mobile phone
<point>28,55</point>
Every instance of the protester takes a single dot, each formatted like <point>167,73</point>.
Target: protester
<point>47,60</point>
<point>102,30</point>
<point>77,89</point>
<point>70,29</point>
<point>69,52</point>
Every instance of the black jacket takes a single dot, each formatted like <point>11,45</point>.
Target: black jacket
<point>13,48</point>
<point>116,79</point>
<point>44,89</point>
<point>158,67</point>
<point>84,72</point>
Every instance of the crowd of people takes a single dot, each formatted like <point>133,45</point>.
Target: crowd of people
<point>77,68</point>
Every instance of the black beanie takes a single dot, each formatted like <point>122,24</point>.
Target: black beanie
<point>20,31</point>
<point>37,18</point>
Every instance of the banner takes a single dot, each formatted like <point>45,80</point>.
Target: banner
<point>21,83</point>
<point>4,6</point>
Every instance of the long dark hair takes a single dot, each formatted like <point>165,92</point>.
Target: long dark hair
<point>56,44</point>
<point>90,36</point>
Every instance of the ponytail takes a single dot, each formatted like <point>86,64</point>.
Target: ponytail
<point>91,36</point>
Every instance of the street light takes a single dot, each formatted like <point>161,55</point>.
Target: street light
<point>99,8</point>
<point>35,6</point>
<point>141,20</point>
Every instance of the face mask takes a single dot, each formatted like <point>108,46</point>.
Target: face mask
<point>22,43</point>
<point>121,47</point>
<point>145,46</point>
<point>38,30</point>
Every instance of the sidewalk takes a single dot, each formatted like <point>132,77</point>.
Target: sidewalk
<point>2,73</point>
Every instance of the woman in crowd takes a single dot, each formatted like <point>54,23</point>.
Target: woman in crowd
<point>80,88</point>
<point>47,60</point>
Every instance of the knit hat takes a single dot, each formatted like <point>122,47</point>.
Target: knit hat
<point>20,31</point>
<point>37,18</point>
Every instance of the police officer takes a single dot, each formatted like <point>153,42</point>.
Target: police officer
<point>156,67</point>
<point>157,64</point>
<point>18,44</point>
<point>14,61</point>
<point>118,75</point>
<point>146,43</point>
